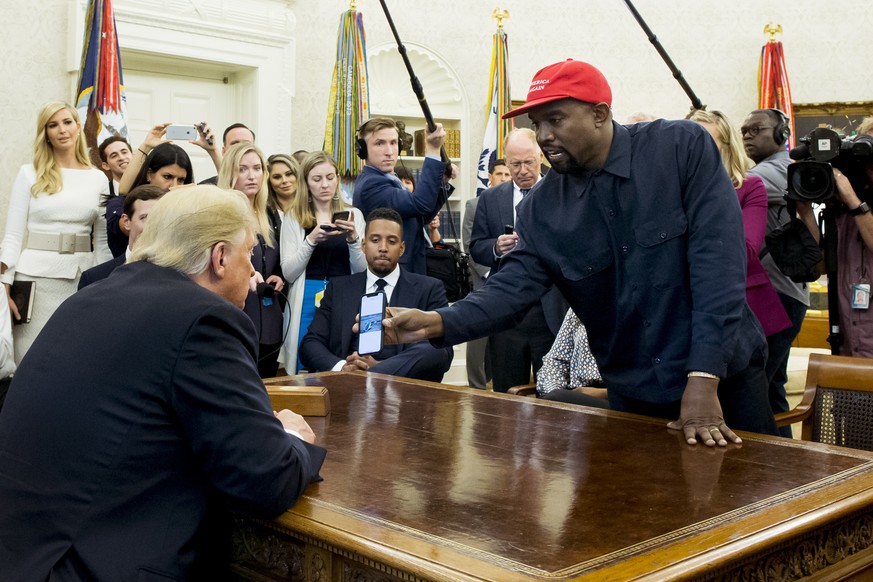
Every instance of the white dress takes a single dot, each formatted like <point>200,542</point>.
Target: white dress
<point>75,209</point>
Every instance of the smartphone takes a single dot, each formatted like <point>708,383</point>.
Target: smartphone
<point>202,129</point>
<point>507,229</point>
<point>344,215</point>
<point>186,132</point>
<point>328,227</point>
<point>372,314</point>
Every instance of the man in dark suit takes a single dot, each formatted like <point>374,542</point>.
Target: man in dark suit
<point>378,187</point>
<point>330,343</point>
<point>135,211</point>
<point>516,350</point>
<point>125,440</point>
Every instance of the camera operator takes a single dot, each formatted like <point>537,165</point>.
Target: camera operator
<point>855,258</point>
<point>765,133</point>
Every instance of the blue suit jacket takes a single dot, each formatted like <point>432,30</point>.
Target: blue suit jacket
<point>376,189</point>
<point>122,437</point>
<point>330,336</point>
<point>493,212</point>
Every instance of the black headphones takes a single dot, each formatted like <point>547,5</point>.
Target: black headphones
<point>361,147</point>
<point>361,143</point>
<point>782,130</point>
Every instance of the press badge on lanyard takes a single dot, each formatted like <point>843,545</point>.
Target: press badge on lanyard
<point>860,295</point>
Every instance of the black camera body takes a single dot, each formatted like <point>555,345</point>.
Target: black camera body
<point>811,177</point>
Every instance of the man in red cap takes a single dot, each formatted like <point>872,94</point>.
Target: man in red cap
<point>640,228</point>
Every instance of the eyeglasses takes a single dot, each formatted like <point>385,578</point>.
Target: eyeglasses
<point>754,130</point>
<point>529,164</point>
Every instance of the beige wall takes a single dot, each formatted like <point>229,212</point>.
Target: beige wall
<point>717,50</point>
<point>33,71</point>
<point>827,47</point>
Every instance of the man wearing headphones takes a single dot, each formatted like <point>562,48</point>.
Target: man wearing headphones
<point>765,134</point>
<point>378,187</point>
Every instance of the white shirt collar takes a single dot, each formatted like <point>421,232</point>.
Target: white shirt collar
<point>516,191</point>
<point>391,280</point>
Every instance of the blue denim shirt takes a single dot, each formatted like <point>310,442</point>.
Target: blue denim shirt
<point>649,253</point>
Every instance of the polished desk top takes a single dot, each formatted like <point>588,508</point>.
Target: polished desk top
<point>456,483</point>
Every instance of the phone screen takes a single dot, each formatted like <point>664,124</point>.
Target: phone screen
<point>372,314</point>
<point>344,215</point>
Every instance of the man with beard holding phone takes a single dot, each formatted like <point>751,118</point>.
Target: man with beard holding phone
<point>330,343</point>
<point>640,228</point>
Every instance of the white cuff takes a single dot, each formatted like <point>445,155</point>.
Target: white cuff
<point>294,432</point>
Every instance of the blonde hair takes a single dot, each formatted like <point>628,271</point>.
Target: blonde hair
<point>730,144</point>
<point>302,208</point>
<point>186,223</point>
<point>48,174</point>
<point>228,174</point>
<point>866,126</point>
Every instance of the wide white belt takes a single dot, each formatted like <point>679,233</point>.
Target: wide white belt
<point>65,244</point>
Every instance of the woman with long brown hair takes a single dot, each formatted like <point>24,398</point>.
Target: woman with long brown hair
<point>315,247</point>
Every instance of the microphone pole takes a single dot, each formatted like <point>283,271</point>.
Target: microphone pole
<point>416,85</point>
<point>677,74</point>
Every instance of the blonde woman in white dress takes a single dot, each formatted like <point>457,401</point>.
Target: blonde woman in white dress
<point>54,214</point>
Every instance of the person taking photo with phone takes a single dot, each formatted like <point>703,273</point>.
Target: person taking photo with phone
<point>320,241</point>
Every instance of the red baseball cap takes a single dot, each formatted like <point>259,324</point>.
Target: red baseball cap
<point>567,79</point>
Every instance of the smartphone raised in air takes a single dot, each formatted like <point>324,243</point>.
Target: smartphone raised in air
<point>370,325</point>
<point>178,131</point>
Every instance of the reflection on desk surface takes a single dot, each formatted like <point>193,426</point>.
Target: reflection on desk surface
<point>544,486</point>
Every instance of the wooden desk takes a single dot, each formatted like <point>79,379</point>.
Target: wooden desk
<point>431,482</point>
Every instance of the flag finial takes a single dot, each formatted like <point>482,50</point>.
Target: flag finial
<point>353,5</point>
<point>499,14</point>
<point>772,30</point>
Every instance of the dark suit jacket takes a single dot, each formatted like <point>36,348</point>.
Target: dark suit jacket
<point>330,336</point>
<point>477,271</point>
<point>493,212</point>
<point>100,271</point>
<point>376,189</point>
<point>121,436</point>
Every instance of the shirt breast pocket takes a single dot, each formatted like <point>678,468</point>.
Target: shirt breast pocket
<point>663,251</point>
<point>591,278</point>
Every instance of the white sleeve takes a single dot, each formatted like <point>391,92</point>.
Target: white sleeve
<point>293,250</point>
<point>357,260</point>
<point>16,223</point>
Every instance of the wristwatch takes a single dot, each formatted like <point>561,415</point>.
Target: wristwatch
<point>864,208</point>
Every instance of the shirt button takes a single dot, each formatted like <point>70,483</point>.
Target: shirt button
<point>647,323</point>
<point>624,248</point>
<point>657,360</point>
<point>663,235</point>
<point>611,212</point>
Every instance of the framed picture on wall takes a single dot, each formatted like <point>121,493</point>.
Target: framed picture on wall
<point>842,117</point>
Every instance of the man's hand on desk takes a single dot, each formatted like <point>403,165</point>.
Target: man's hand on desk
<point>700,416</point>
<point>293,421</point>
<point>406,326</point>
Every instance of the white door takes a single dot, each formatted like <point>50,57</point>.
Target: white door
<point>184,96</point>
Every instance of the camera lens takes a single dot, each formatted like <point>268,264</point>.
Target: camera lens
<point>812,181</point>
